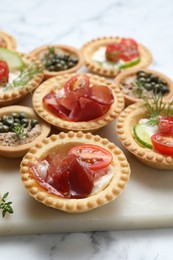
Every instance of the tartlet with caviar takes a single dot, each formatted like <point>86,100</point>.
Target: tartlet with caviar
<point>20,129</point>
<point>74,172</point>
<point>78,102</point>
<point>7,41</point>
<point>146,130</point>
<point>19,75</point>
<point>58,59</point>
<point>137,83</point>
<point>110,55</point>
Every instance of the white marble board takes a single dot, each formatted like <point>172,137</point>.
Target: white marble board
<point>146,202</point>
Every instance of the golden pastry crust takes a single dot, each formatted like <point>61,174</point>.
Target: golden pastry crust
<point>131,72</point>
<point>9,41</point>
<point>38,53</point>
<point>13,96</point>
<point>21,150</point>
<point>124,128</point>
<point>89,48</point>
<point>92,125</point>
<point>62,143</point>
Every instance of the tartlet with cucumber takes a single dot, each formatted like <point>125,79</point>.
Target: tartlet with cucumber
<point>108,56</point>
<point>138,83</point>
<point>19,75</point>
<point>146,130</point>
<point>20,129</point>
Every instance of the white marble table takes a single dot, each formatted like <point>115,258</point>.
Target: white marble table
<point>74,22</point>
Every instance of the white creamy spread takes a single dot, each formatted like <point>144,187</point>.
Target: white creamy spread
<point>151,130</point>
<point>99,56</point>
<point>13,75</point>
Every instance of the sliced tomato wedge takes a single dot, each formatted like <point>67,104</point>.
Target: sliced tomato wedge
<point>163,143</point>
<point>80,81</point>
<point>4,72</point>
<point>101,94</point>
<point>166,125</point>
<point>92,156</point>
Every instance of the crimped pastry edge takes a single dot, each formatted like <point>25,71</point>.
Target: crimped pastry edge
<point>48,74</point>
<point>9,39</point>
<point>124,129</point>
<point>111,192</point>
<point>130,100</point>
<point>87,49</point>
<point>13,96</point>
<point>21,150</point>
<point>64,125</point>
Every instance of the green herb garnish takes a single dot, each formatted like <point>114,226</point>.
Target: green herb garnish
<point>24,77</point>
<point>155,107</point>
<point>6,206</point>
<point>20,131</point>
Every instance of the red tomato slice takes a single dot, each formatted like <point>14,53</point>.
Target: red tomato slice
<point>101,94</point>
<point>113,51</point>
<point>4,72</point>
<point>129,49</point>
<point>77,82</point>
<point>166,125</point>
<point>163,144</point>
<point>92,156</point>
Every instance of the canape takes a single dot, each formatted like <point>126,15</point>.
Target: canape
<point>78,102</point>
<point>110,55</point>
<point>137,83</point>
<point>19,76</point>
<point>20,129</point>
<point>146,130</point>
<point>58,59</point>
<point>74,172</point>
<point>7,41</point>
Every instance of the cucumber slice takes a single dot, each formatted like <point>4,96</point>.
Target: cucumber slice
<point>12,59</point>
<point>142,136</point>
<point>129,64</point>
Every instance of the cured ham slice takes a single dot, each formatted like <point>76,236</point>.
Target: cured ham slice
<point>79,102</point>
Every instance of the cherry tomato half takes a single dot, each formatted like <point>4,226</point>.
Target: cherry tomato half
<point>113,51</point>
<point>163,143</point>
<point>4,72</point>
<point>77,82</point>
<point>166,125</point>
<point>94,157</point>
<point>126,49</point>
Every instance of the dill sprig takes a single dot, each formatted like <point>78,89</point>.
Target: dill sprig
<point>6,206</point>
<point>20,131</point>
<point>138,88</point>
<point>155,107</point>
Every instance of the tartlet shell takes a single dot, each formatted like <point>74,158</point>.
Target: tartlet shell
<point>13,96</point>
<point>124,129</point>
<point>21,150</point>
<point>92,125</point>
<point>130,100</point>
<point>90,47</point>
<point>64,141</point>
<point>48,74</point>
<point>9,39</point>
